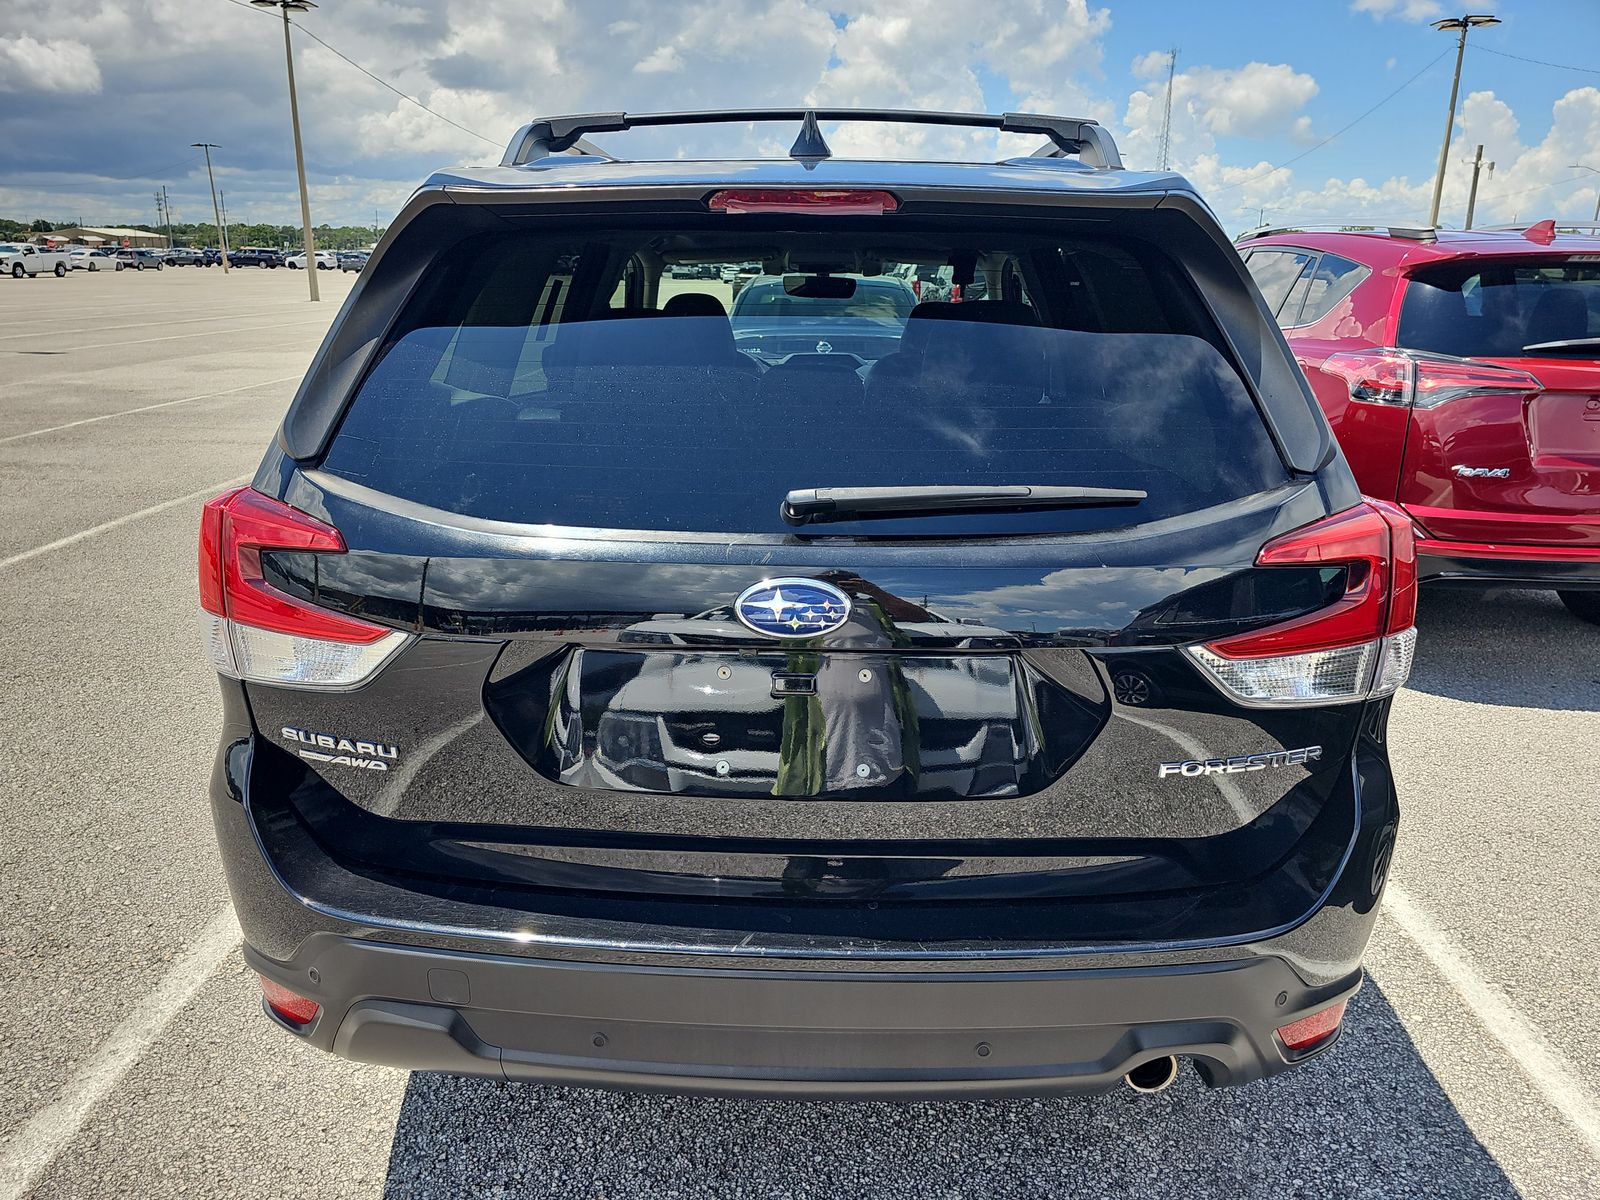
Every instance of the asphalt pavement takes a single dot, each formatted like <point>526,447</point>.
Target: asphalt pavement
<point>135,1061</point>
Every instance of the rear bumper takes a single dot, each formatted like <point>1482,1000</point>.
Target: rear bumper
<point>1507,565</point>
<point>794,1033</point>
<point>441,981</point>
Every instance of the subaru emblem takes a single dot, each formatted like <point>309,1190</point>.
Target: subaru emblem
<point>792,608</point>
<point>824,347</point>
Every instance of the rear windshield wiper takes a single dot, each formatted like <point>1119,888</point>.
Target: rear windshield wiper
<point>1582,343</point>
<point>807,505</point>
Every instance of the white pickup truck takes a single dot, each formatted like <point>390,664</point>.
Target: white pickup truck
<point>19,258</point>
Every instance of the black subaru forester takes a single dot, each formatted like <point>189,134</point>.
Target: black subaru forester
<point>862,694</point>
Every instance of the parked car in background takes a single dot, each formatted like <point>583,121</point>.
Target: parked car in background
<point>1461,373</point>
<point>744,275</point>
<point>326,261</point>
<point>140,260</point>
<point>85,259</point>
<point>24,258</point>
<point>182,256</point>
<point>210,256</point>
<point>255,256</point>
<point>603,705</point>
<point>853,327</point>
<point>352,260</point>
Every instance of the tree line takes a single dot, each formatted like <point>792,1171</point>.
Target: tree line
<point>328,237</point>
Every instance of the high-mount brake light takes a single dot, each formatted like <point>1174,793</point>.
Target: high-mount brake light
<point>254,631</point>
<point>847,202</point>
<point>1357,648</point>
<point>1416,380</point>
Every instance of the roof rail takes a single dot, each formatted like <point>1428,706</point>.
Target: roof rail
<point>1420,233</point>
<point>538,139</point>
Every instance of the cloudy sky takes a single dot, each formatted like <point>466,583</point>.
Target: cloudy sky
<point>99,99</point>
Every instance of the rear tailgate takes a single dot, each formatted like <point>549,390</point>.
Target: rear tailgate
<point>992,729</point>
<point>634,690</point>
<point>1516,460</point>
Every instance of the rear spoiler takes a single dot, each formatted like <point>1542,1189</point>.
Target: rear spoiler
<point>1078,136</point>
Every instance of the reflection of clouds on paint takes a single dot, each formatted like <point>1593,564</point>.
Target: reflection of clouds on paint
<point>1108,597</point>
<point>1072,595</point>
<point>559,585</point>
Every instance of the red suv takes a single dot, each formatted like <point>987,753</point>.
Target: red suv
<point>1461,372</point>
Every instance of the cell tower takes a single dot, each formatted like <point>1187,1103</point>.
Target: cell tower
<point>1166,117</point>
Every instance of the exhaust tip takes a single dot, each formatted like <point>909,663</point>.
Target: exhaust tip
<point>1153,1076</point>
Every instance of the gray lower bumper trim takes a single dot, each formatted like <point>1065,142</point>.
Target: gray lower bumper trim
<point>798,1033</point>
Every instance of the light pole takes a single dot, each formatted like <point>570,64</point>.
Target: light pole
<point>288,6</point>
<point>1592,171</point>
<point>1472,196</point>
<point>216,209</point>
<point>1462,23</point>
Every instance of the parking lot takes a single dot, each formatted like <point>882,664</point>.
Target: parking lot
<point>136,1060</point>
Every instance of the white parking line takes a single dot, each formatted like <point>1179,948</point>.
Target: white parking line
<point>1544,1065</point>
<point>128,412</point>
<point>28,1153</point>
<point>180,336</point>
<point>108,526</point>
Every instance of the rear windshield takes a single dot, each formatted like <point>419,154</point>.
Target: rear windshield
<point>632,378</point>
<point>1505,309</point>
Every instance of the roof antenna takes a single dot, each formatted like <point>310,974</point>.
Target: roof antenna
<point>810,143</point>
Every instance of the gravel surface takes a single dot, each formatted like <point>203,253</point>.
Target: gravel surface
<point>108,873</point>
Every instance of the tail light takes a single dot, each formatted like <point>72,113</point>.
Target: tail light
<point>1309,1031</point>
<point>1416,380</point>
<point>840,202</point>
<point>291,1006</point>
<point>1357,648</point>
<point>254,631</point>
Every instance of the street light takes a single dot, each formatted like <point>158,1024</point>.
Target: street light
<point>1592,171</point>
<point>1463,24</point>
<point>289,6</point>
<point>222,232</point>
<point>1472,195</point>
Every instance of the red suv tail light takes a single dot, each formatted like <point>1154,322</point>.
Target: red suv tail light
<point>1357,648</point>
<point>1407,377</point>
<point>254,631</point>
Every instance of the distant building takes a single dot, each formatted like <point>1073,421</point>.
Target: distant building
<point>83,235</point>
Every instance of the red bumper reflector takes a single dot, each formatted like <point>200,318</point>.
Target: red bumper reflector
<point>851,202</point>
<point>295,1009</point>
<point>1308,1031</point>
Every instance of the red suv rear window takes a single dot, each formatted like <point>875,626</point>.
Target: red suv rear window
<point>1507,308</point>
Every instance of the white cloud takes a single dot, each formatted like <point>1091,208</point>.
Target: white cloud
<point>1256,100</point>
<point>662,59</point>
<point>934,54</point>
<point>169,72</point>
<point>1405,10</point>
<point>1529,183</point>
<point>29,65</point>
